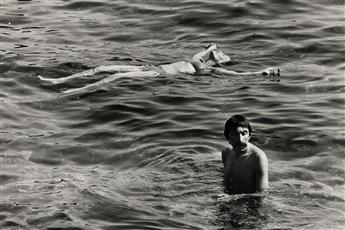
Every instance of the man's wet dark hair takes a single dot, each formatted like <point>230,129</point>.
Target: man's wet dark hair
<point>234,122</point>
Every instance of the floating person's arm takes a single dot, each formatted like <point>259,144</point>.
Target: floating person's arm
<point>99,69</point>
<point>271,71</point>
<point>113,78</point>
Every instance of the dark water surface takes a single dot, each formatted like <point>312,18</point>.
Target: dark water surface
<point>144,153</point>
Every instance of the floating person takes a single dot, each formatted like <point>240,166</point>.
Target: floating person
<point>209,60</point>
<point>245,165</point>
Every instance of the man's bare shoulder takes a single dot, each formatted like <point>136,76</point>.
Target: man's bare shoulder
<point>257,152</point>
<point>227,151</point>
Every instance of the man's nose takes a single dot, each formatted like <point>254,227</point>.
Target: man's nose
<point>241,138</point>
<point>238,138</point>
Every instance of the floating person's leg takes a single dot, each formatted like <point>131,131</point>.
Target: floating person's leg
<point>113,78</point>
<point>110,68</point>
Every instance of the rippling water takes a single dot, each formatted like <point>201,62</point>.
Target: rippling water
<point>145,153</point>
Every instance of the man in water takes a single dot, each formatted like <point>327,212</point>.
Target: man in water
<point>209,60</point>
<point>245,165</point>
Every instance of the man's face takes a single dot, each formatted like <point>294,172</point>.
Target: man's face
<point>239,139</point>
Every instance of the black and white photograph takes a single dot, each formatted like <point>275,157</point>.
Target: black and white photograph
<point>172,114</point>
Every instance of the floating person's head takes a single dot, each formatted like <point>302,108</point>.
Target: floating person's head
<point>217,57</point>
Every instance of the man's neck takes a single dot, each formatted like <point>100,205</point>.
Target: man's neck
<point>244,153</point>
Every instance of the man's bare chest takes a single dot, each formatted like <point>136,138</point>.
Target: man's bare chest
<point>239,169</point>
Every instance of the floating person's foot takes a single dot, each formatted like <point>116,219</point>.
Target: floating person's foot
<point>212,46</point>
<point>271,72</point>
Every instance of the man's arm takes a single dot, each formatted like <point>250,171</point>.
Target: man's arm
<point>225,154</point>
<point>261,173</point>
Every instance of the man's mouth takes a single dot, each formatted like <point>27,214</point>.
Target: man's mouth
<point>241,147</point>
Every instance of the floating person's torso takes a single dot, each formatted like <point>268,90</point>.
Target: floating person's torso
<point>179,67</point>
